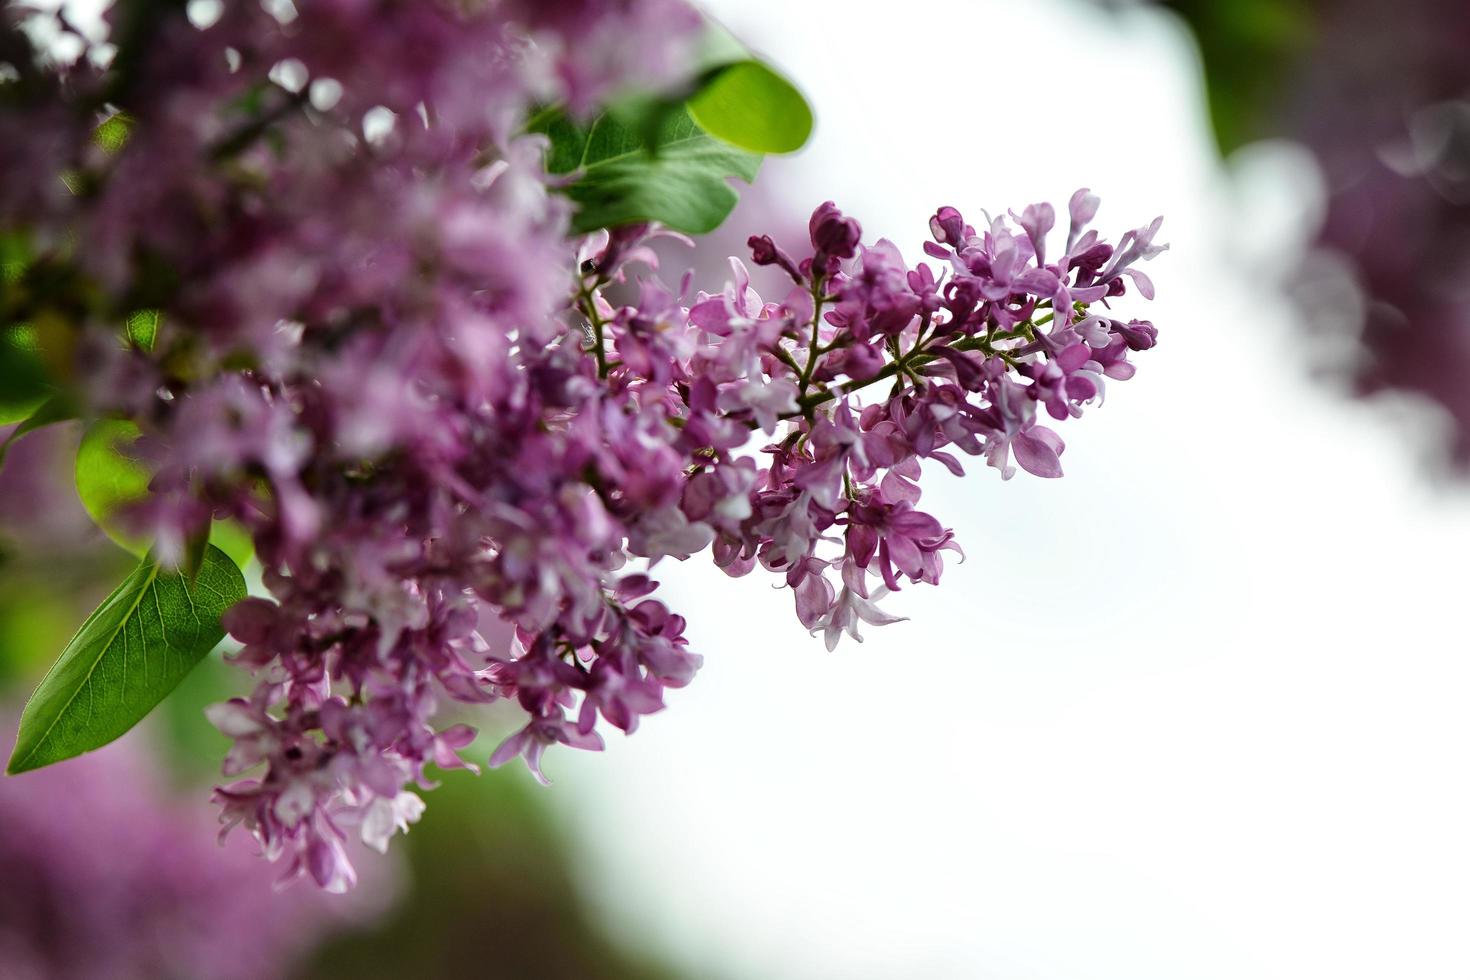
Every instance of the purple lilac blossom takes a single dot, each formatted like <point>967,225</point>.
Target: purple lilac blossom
<point>386,358</point>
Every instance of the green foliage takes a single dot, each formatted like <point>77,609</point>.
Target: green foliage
<point>57,408</point>
<point>34,618</point>
<point>23,382</point>
<point>192,745</point>
<point>749,105</point>
<point>113,132</point>
<point>487,859</point>
<point>669,157</point>
<point>680,180</point>
<point>141,329</point>
<point>110,477</point>
<point>1248,47</point>
<point>15,257</point>
<point>129,654</point>
<point>232,538</point>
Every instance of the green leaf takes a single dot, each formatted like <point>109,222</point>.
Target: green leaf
<point>112,134</point>
<point>129,654</point>
<point>15,256</point>
<point>196,546</point>
<point>142,329</point>
<point>57,408</point>
<point>1248,48</point>
<point>109,478</point>
<point>23,382</point>
<point>682,181</point>
<point>568,139</point>
<point>668,156</point>
<point>749,105</point>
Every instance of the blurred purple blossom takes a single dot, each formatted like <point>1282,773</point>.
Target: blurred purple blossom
<point>107,875</point>
<point>1384,103</point>
<point>1380,96</point>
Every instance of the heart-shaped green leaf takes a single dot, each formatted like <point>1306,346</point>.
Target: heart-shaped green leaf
<point>129,654</point>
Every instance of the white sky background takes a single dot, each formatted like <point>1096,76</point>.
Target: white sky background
<point>1195,711</point>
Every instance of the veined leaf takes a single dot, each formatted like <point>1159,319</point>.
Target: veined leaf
<point>129,654</point>
<point>682,181</point>
<point>668,156</point>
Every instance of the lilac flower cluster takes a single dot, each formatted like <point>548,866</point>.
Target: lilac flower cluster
<point>970,355</point>
<point>382,354</point>
<point>581,457</point>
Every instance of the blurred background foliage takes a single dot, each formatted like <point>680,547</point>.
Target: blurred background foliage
<point>1248,49</point>
<point>499,898</point>
<point>1378,94</point>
